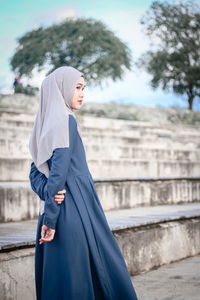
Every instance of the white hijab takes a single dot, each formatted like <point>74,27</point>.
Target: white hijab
<point>50,128</point>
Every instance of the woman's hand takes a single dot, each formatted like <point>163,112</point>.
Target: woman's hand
<point>47,233</point>
<point>48,237</point>
<point>60,196</point>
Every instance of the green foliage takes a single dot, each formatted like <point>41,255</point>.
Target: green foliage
<point>175,65</point>
<point>85,44</point>
<point>27,90</point>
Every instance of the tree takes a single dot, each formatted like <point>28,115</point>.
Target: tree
<point>175,64</point>
<point>85,44</point>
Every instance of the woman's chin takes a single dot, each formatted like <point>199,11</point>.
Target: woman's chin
<point>77,107</point>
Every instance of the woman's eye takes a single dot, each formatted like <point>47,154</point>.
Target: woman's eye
<point>78,87</point>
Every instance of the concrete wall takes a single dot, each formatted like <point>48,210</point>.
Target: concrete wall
<point>19,202</point>
<point>17,169</point>
<point>154,245</point>
<point>17,281</point>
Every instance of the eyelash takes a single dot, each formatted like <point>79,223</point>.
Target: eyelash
<point>78,87</point>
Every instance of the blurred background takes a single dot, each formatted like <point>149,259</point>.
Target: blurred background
<point>139,121</point>
<point>121,24</point>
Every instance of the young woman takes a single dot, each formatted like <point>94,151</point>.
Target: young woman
<point>76,256</point>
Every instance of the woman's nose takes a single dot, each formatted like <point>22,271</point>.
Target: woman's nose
<point>82,94</point>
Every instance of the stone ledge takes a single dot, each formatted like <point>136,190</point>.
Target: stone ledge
<point>143,248</point>
<point>18,201</point>
<point>118,221</point>
<point>17,169</point>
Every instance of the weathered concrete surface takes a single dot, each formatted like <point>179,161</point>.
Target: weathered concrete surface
<point>155,115</point>
<point>130,147</point>
<point>155,245</point>
<point>17,281</point>
<point>17,267</point>
<point>117,144</point>
<point>176,281</point>
<point>17,234</point>
<point>144,245</point>
<point>129,193</point>
<point>19,202</point>
<point>17,169</point>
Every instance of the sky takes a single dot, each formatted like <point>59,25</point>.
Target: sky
<point>120,16</point>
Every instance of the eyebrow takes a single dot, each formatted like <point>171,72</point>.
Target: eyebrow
<point>81,84</point>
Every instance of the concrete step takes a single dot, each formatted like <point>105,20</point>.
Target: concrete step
<point>15,137</point>
<point>140,152</point>
<point>17,131</point>
<point>148,142</point>
<point>105,123</point>
<point>111,126</point>
<point>147,238</point>
<point>16,234</point>
<point>110,136</point>
<point>19,202</point>
<point>19,148</point>
<point>115,168</point>
<point>17,169</point>
<point>13,122</point>
<point>16,114</point>
<point>14,148</point>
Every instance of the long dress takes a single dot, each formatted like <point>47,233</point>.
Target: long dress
<point>83,261</point>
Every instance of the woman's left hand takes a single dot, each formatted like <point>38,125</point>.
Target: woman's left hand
<point>48,237</point>
<point>59,198</point>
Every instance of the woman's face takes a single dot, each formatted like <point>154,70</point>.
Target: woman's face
<point>78,94</point>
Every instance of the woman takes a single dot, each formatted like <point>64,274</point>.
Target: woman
<point>76,257</point>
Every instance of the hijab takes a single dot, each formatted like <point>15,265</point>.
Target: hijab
<point>51,126</point>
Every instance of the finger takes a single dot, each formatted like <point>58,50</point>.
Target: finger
<point>59,199</point>
<point>43,231</point>
<point>45,240</point>
<point>62,192</point>
<point>59,196</point>
<point>49,237</point>
<point>41,239</point>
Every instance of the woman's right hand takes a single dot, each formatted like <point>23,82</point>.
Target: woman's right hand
<point>47,234</point>
<point>59,198</point>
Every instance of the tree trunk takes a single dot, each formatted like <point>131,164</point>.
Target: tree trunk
<point>190,101</point>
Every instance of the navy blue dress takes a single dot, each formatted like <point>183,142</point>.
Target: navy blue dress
<point>83,261</point>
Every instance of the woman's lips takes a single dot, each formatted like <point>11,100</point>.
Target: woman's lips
<point>80,101</point>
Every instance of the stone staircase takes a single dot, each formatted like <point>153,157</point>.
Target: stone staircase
<point>114,148</point>
<point>117,151</point>
<point>147,178</point>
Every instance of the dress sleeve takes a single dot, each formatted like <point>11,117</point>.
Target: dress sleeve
<point>57,176</point>
<point>38,181</point>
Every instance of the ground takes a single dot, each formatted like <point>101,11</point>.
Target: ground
<point>176,281</point>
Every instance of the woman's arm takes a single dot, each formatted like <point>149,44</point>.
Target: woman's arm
<point>57,176</point>
<point>38,181</point>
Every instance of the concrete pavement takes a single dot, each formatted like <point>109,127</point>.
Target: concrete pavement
<point>176,281</point>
